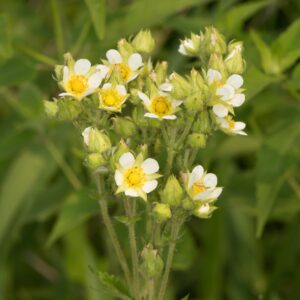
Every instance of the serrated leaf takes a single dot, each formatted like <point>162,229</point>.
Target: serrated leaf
<point>97,9</point>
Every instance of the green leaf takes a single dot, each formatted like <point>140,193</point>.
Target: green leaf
<point>274,160</point>
<point>186,297</point>
<point>78,208</point>
<point>287,46</point>
<point>97,9</point>
<point>269,62</point>
<point>114,285</point>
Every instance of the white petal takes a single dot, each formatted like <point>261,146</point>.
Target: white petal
<point>106,86</point>
<point>131,193</point>
<point>95,80</point>
<point>86,134</point>
<point>144,98</point>
<point>102,69</point>
<point>65,74</point>
<point>203,196</point>
<point>113,56</point>
<point>135,61</point>
<point>127,160</point>
<point>149,115</point>
<point>176,103</point>
<point>64,94</point>
<point>169,117</point>
<point>241,132</point>
<point>118,177</point>
<point>88,92</point>
<point>82,66</point>
<point>237,100</point>
<point>220,110</point>
<point>134,76</point>
<point>235,80</point>
<point>166,87</point>
<point>213,75</point>
<point>203,209</point>
<point>182,50</point>
<point>196,174</point>
<point>150,166</point>
<point>239,125</point>
<point>121,89</point>
<point>216,193</point>
<point>226,92</point>
<point>210,180</point>
<point>149,186</point>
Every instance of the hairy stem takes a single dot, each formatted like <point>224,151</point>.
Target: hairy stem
<point>130,212</point>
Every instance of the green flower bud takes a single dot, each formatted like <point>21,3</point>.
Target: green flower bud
<point>124,127</point>
<point>181,86</point>
<point>59,72</point>
<point>152,265</point>
<point>51,108</point>
<point>234,61</point>
<point>172,193</point>
<point>144,42</point>
<point>216,62</point>
<point>188,204</point>
<point>191,46</point>
<point>162,212</point>
<point>138,117</point>
<point>95,160</point>
<point>117,153</point>
<point>197,81</point>
<point>197,140</point>
<point>68,109</point>
<point>69,60</point>
<point>204,211</point>
<point>214,41</point>
<point>160,73</point>
<point>95,140</point>
<point>203,124</point>
<point>194,102</point>
<point>125,48</point>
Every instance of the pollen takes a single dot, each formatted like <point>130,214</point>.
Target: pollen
<point>135,177</point>
<point>124,70</point>
<point>111,98</point>
<point>198,188</point>
<point>160,106</point>
<point>77,85</point>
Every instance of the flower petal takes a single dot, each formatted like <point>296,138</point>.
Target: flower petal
<point>135,61</point>
<point>203,196</point>
<point>220,110</point>
<point>95,80</point>
<point>170,117</point>
<point>196,174</point>
<point>131,193</point>
<point>144,98</point>
<point>239,125</point>
<point>210,180</point>
<point>235,80</point>
<point>127,160</point>
<point>113,56</point>
<point>118,178</point>
<point>166,87</point>
<point>213,75</point>
<point>150,166</point>
<point>64,94</point>
<point>149,115</point>
<point>176,103</point>
<point>82,66</point>
<point>65,74</point>
<point>149,186</point>
<point>103,70</point>
<point>216,193</point>
<point>86,134</point>
<point>121,89</point>
<point>226,92</point>
<point>238,100</point>
<point>106,86</point>
<point>182,50</point>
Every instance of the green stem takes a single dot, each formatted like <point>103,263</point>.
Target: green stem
<point>175,226</point>
<point>130,212</point>
<point>151,288</point>
<point>186,130</point>
<point>111,231</point>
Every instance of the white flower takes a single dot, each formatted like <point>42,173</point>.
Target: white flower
<point>128,69</point>
<point>202,186</point>
<point>136,177</point>
<point>229,126</point>
<point>82,79</point>
<point>86,135</point>
<point>111,97</point>
<point>186,44</point>
<point>204,211</point>
<point>190,46</point>
<point>228,92</point>
<point>161,106</point>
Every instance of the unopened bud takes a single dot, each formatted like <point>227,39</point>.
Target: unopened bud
<point>203,123</point>
<point>181,86</point>
<point>191,46</point>
<point>194,102</point>
<point>124,127</point>
<point>152,263</point>
<point>204,211</point>
<point>216,62</point>
<point>68,109</point>
<point>144,42</point>
<point>59,72</point>
<point>95,140</point>
<point>162,212</point>
<point>214,41</point>
<point>51,108</point>
<point>197,140</point>
<point>125,48</point>
<point>172,193</point>
<point>95,160</point>
<point>69,60</point>
<point>188,203</point>
<point>117,153</point>
<point>160,72</point>
<point>234,61</point>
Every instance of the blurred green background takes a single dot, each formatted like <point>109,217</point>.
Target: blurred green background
<point>50,231</point>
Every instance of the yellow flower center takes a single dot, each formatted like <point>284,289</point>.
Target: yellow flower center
<point>160,106</point>
<point>111,98</point>
<point>77,85</point>
<point>198,188</point>
<point>135,177</point>
<point>124,70</point>
<point>231,123</point>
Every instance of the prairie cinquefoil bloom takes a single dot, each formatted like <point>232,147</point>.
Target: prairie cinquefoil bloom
<point>136,177</point>
<point>228,91</point>
<point>127,68</point>
<point>202,186</point>
<point>161,105</point>
<point>112,97</point>
<point>81,79</point>
<point>190,46</point>
<point>229,126</point>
